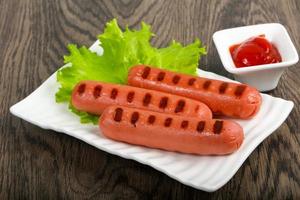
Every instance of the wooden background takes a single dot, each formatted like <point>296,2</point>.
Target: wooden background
<point>43,164</point>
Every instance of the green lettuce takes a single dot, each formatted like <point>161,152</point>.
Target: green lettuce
<point>122,50</point>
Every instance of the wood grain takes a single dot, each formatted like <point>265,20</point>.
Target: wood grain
<point>42,164</point>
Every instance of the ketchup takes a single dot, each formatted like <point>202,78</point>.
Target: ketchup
<point>254,51</point>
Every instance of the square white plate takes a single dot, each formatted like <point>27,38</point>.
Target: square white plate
<point>207,173</point>
<point>263,77</point>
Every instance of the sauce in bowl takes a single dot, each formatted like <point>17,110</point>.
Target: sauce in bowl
<point>254,51</point>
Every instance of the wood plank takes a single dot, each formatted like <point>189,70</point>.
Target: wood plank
<point>42,164</point>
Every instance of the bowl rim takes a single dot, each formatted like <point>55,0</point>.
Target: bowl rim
<point>256,68</point>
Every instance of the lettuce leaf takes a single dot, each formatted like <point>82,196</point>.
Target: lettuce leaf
<point>122,50</point>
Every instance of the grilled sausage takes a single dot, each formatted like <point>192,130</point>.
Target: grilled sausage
<point>94,97</point>
<point>223,98</point>
<point>171,132</point>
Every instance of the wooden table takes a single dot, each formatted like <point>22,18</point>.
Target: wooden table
<point>43,164</point>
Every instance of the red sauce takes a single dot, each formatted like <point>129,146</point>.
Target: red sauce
<point>254,51</point>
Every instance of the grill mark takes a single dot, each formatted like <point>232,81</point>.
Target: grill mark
<point>168,122</point>
<point>97,91</point>
<point>161,76</point>
<point>176,79</point>
<point>134,118</point>
<point>223,87</point>
<point>163,102</point>
<point>206,85</point>
<point>81,89</point>
<point>147,99</point>
<point>180,106</point>
<point>191,81</point>
<point>146,72</point>
<point>184,124</point>
<point>118,114</point>
<point>218,127</point>
<point>239,90</point>
<point>130,97</point>
<point>114,93</point>
<point>151,119</point>
<point>197,108</point>
<point>200,126</point>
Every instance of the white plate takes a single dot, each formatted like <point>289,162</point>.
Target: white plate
<point>207,173</point>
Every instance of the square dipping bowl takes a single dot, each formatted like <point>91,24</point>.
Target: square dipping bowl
<point>263,77</point>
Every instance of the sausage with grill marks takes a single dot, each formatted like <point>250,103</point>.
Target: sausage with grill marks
<point>171,132</point>
<point>94,97</point>
<point>223,98</point>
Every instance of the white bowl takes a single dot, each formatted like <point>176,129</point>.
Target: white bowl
<point>263,77</point>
